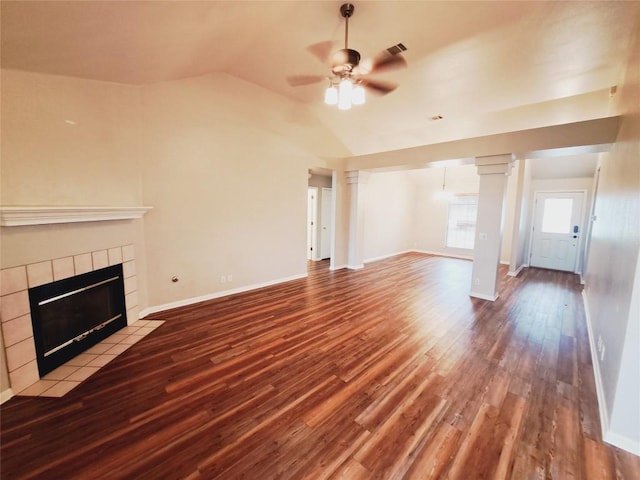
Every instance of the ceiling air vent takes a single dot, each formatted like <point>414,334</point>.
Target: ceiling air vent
<point>396,49</point>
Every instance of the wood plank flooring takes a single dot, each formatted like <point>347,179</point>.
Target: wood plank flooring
<point>390,372</point>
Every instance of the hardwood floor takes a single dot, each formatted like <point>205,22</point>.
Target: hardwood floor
<point>390,372</point>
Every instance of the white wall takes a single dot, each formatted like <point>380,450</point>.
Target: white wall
<point>227,178</point>
<point>406,202</point>
<point>430,218</point>
<point>68,141</point>
<point>4,374</point>
<point>388,215</point>
<point>518,204</point>
<point>612,276</point>
<point>509,215</point>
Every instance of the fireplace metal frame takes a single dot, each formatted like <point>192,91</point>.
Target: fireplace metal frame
<point>95,332</point>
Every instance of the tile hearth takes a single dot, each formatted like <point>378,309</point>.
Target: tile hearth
<point>68,376</point>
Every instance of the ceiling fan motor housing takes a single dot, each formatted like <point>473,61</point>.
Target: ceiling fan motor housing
<point>346,10</point>
<point>344,61</point>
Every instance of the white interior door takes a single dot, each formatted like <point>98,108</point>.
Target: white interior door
<point>557,226</point>
<point>312,194</point>
<point>325,223</point>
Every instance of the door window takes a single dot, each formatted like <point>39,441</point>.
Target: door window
<point>556,217</point>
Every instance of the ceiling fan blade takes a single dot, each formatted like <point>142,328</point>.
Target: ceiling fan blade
<point>378,87</point>
<point>299,80</point>
<point>321,50</point>
<point>386,62</point>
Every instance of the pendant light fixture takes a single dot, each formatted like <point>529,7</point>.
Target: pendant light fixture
<point>443,194</point>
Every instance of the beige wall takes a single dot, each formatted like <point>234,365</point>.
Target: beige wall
<point>520,238</point>
<point>430,217</point>
<point>4,373</point>
<point>388,219</point>
<point>69,141</point>
<point>228,182</point>
<point>403,213</point>
<point>612,269</point>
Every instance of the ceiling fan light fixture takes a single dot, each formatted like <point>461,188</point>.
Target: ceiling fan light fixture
<point>347,82</point>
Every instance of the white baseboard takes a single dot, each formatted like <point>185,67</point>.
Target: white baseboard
<point>441,254</point>
<point>5,395</point>
<point>355,267</point>
<point>482,296</point>
<point>516,272</point>
<point>338,267</point>
<point>203,298</point>
<point>382,257</point>
<point>623,442</point>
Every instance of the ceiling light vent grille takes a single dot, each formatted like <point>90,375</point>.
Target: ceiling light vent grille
<point>396,49</point>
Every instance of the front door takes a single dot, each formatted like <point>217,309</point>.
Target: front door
<point>557,227</point>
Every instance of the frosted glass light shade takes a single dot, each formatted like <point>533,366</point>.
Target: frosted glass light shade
<point>358,95</point>
<point>331,95</point>
<point>344,94</point>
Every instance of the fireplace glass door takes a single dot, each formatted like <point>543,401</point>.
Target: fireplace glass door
<point>74,314</point>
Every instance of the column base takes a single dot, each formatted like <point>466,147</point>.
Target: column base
<point>483,296</point>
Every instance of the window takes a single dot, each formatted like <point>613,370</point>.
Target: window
<point>556,216</point>
<point>461,223</point>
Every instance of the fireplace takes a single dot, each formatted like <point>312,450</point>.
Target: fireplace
<point>71,315</point>
<point>43,245</point>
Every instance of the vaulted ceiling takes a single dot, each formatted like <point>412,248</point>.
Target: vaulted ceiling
<point>485,67</point>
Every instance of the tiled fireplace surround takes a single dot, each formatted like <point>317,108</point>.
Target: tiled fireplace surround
<point>14,303</point>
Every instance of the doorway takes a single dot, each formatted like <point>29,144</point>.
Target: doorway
<point>320,217</point>
<point>557,230</point>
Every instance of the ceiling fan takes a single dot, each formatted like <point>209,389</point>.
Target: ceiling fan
<point>349,75</point>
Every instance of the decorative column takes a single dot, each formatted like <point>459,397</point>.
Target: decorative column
<point>357,188</point>
<point>493,171</point>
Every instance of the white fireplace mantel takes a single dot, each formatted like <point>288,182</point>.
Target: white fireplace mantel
<point>15,216</point>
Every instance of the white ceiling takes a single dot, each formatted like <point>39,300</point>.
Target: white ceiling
<point>575,166</point>
<point>478,64</point>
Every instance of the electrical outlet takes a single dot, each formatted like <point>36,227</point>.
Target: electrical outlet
<point>229,278</point>
<point>476,281</point>
<point>223,279</point>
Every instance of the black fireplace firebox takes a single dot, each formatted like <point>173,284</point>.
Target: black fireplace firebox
<point>71,315</point>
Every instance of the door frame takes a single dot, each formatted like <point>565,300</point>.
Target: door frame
<point>577,267</point>
<point>312,223</point>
